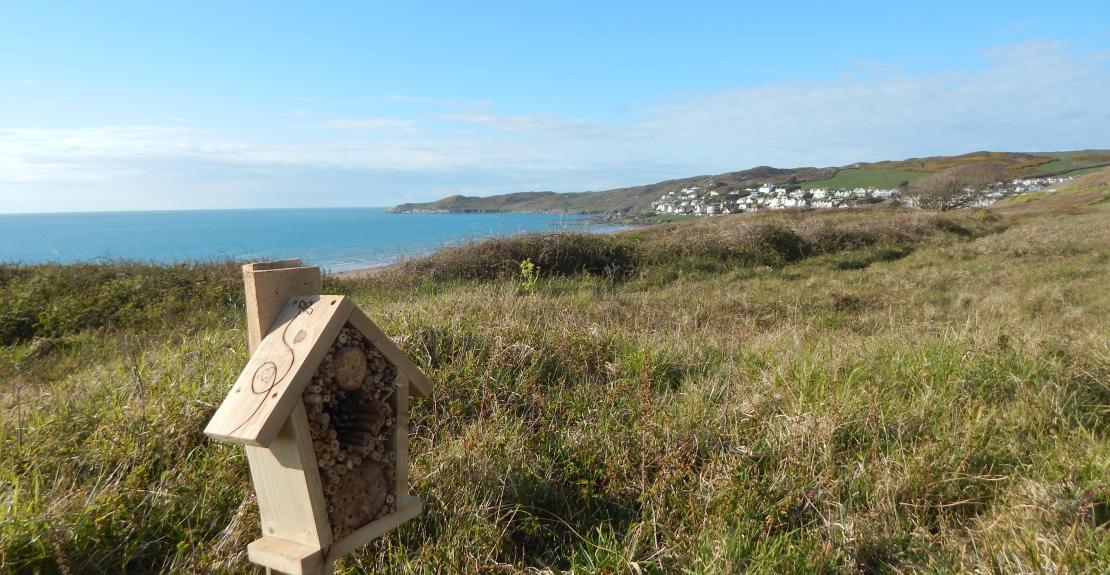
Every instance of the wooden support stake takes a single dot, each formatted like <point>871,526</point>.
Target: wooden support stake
<point>269,285</point>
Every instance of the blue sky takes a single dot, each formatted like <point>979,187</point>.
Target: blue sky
<point>158,105</point>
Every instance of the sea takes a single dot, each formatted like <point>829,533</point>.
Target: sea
<point>336,239</point>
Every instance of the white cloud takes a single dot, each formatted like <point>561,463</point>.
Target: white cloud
<point>368,123</point>
<point>444,102</point>
<point>90,154</point>
<point>1028,97</point>
<point>1034,96</point>
<point>533,124</point>
<point>108,152</point>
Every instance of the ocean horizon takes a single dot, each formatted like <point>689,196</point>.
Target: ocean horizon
<point>336,239</point>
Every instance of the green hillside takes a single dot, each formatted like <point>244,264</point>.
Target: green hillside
<point>865,177</point>
<point>888,174</point>
<point>617,200</point>
<point>1070,162</point>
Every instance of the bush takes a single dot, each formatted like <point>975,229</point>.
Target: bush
<point>773,239</point>
<point>558,254</point>
<point>53,300</point>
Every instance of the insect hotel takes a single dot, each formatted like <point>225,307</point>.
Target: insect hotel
<point>322,410</point>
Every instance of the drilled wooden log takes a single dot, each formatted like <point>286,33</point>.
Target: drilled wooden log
<point>350,369</point>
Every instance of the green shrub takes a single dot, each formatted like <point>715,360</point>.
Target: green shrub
<point>558,254</point>
<point>773,239</point>
<point>52,300</point>
<point>529,275</point>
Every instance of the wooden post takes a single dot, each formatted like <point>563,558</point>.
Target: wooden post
<point>269,285</point>
<point>285,471</point>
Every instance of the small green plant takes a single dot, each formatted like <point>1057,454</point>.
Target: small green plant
<point>529,275</point>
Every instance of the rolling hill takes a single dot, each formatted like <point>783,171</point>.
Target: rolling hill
<point>638,199</point>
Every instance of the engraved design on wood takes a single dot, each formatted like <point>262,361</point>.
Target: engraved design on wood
<point>266,377</point>
<point>351,407</point>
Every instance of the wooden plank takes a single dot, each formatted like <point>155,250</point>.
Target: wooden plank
<point>407,508</point>
<point>274,265</point>
<point>419,383</point>
<point>269,285</point>
<point>278,371</point>
<point>289,501</point>
<point>287,483</point>
<point>286,556</point>
<point>302,433</point>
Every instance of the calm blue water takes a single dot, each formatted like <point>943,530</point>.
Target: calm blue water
<point>336,239</point>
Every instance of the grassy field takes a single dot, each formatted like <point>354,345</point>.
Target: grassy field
<point>1074,162</point>
<point>850,178</point>
<point>849,391</point>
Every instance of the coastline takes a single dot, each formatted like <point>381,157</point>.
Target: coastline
<point>336,239</point>
<point>363,272</point>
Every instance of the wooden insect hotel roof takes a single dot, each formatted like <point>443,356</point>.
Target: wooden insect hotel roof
<point>271,384</point>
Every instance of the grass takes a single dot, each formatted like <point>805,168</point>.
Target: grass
<point>1026,198</point>
<point>1073,197</point>
<point>1074,162</point>
<point>851,178</point>
<point>55,301</point>
<point>873,391</point>
<point>715,243</point>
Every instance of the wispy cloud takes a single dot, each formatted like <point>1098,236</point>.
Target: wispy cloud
<point>1031,96</point>
<point>93,154</point>
<point>532,124</point>
<point>445,102</point>
<point>99,153</point>
<point>368,123</point>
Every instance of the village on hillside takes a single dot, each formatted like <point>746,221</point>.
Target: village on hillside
<point>706,201</point>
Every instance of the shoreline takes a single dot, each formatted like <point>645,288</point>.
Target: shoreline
<point>345,241</point>
<point>362,272</point>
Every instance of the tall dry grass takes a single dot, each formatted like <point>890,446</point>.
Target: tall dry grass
<point>891,391</point>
